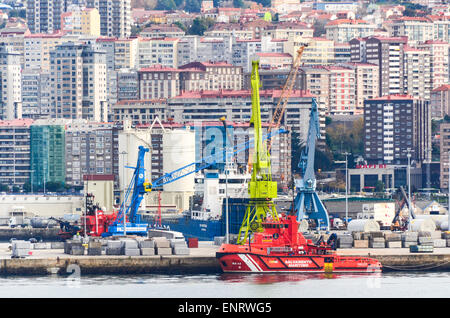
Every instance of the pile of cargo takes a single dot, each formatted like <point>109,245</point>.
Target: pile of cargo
<point>393,240</point>
<point>129,247</point>
<point>20,249</point>
<point>344,240</point>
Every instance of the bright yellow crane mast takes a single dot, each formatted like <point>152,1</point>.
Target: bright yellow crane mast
<point>262,190</point>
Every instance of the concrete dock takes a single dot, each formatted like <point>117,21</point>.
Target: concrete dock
<point>201,260</point>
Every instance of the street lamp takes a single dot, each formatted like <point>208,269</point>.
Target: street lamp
<point>409,187</point>
<point>346,154</point>
<point>123,153</point>
<point>448,184</point>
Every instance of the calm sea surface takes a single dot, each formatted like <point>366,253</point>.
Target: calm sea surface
<point>395,284</point>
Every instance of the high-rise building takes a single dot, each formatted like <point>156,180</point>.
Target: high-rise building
<point>90,149</point>
<point>440,102</point>
<point>439,60</point>
<point>417,72</point>
<point>11,84</point>
<point>15,151</point>
<point>78,82</point>
<point>393,124</point>
<point>115,16</point>
<point>387,53</point>
<point>44,16</point>
<point>47,152</point>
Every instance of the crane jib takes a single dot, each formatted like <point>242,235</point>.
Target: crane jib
<point>206,162</point>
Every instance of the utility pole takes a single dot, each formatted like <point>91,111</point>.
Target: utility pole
<point>346,154</point>
<point>409,187</point>
<point>123,153</point>
<point>448,184</point>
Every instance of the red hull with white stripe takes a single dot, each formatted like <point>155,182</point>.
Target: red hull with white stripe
<point>281,249</point>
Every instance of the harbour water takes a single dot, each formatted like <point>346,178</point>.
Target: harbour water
<point>383,285</point>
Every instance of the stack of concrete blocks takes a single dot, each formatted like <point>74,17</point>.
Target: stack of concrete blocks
<point>94,248</point>
<point>147,247</point>
<point>162,246</point>
<point>130,247</point>
<point>393,240</point>
<point>74,247</point>
<point>359,240</point>
<point>57,245</point>
<point>179,247</point>
<point>409,239</point>
<point>424,238</point>
<point>377,240</point>
<point>446,237</point>
<point>344,241</point>
<point>438,241</point>
<point>113,247</point>
<point>20,248</point>
<point>41,246</point>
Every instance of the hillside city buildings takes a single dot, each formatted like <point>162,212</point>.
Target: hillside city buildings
<point>73,72</point>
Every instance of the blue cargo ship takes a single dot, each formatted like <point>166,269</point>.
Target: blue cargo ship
<point>209,221</point>
<point>193,226</point>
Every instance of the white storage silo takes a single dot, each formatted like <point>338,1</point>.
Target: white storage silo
<point>423,225</point>
<point>363,225</point>
<point>179,151</point>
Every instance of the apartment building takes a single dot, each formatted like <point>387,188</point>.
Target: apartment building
<point>320,51</point>
<point>244,51</point>
<point>81,21</point>
<point>343,30</point>
<point>162,51</point>
<point>440,102</point>
<point>11,84</point>
<point>15,151</point>
<point>342,90</point>
<point>35,94</point>
<point>288,31</point>
<point>162,31</point>
<point>366,83</point>
<point>125,53</point>
<point>78,82</point>
<point>444,155</point>
<point>387,53</point>
<point>273,61</point>
<point>115,17</point>
<point>439,61</point>
<point>127,84</point>
<point>417,29</point>
<point>417,73</point>
<point>37,48</point>
<point>158,82</point>
<point>140,111</point>
<point>47,152</point>
<point>90,149</point>
<point>393,124</point>
<point>44,16</point>
<point>218,75</point>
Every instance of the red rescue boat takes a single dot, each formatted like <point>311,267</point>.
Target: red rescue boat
<point>281,248</point>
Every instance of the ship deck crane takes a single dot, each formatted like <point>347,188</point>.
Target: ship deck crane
<point>262,190</point>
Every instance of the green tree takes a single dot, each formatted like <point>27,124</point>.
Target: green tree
<point>200,25</point>
<point>193,5</point>
<point>4,188</point>
<point>166,5</point>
